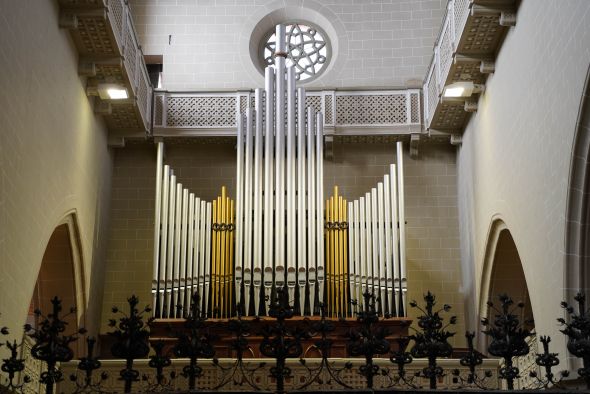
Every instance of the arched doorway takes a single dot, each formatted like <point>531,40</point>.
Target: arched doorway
<point>507,275</point>
<point>503,274</point>
<point>60,275</point>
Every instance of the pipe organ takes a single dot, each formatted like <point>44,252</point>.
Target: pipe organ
<point>376,242</point>
<point>279,232</point>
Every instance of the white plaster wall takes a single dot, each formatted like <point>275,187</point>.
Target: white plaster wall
<point>205,42</point>
<point>514,160</point>
<point>53,156</point>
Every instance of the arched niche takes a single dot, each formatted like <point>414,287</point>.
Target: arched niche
<point>503,274</point>
<point>577,231</point>
<point>61,275</point>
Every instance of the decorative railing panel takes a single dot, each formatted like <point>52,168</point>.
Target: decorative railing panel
<point>213,375</point>
<point>201,111</point>
<point>344,112</point>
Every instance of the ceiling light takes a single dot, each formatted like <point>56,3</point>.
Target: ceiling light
<point>112,91</point>
<point>117,94</point>
<point>461,89</point>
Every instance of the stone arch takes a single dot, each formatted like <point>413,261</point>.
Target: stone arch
<point>61,273</point>
<point>502,273</point>
<point>577,231</point>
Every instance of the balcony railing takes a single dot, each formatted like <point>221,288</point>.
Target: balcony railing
<point>345,112</point>
<point>105,37</point>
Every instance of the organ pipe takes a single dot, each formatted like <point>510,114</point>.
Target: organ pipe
<point>157,232</point>
<point>281,230</point>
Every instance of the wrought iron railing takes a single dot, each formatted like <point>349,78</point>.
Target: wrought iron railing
<point>381,363</point>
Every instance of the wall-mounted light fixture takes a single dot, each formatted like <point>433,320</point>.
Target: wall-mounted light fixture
<point>112,91</point>
<point>461,89</point>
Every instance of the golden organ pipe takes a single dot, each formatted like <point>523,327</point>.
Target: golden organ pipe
<point>338,253</point>
<point>214,253</point>
<point>231,256</point>
<point>222,254</point>
<point>345,276</point>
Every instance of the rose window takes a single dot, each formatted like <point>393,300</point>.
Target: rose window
<point>307,50</point>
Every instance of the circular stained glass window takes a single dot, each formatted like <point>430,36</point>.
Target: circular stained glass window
<point>307,47</point>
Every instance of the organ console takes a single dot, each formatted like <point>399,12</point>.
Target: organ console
<point>280,231</point>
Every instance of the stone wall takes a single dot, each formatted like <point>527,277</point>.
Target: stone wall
<point>515,158</point>
<point>206,43</point>
<point>54,158</point>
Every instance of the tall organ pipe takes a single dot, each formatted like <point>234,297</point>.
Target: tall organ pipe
<point>381,250</point>
<point>247,237</point>
<point>290,183</point>
<point>170,246</point>
<point>176,266</point>
<point>181,275</point>
<point>207,264</point>
<point>311,207</point>
<point>188,273</point>
<point>320,199</point>
<point>157,229</point>
<point>268,273</point>
<point>389,262</point>
<point>239,208</point>
<point>301,190</point>
<point>258,156</point>
<point>163,243</point>
<point>280,157</point>
<point>402,228</point>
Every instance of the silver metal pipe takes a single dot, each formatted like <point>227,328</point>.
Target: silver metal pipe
<point>248,191</point>
<point>197,249</point>
<point>402,226</point>
<point>369,241</point>
<point>311,207</point>
<point>320,203</point>
<point>357,252</point>
<point>363,244</point>
<point>258,195</point>
<point>290,178</point>
<point>181,275</point>
<point>267,276</point>
<point>239,229</point>
<point>395,238</point>
<point>375,239</point>
<point>279,164</point>
<point>176,268</point>
<point>157,229</point>
<point>170,247</point>
<point>351,260</point>
<point>188,281</point>
<point>207,265</point>
<point>389,262</point>
<point>301,196</point>
<point>381,251</point>
<point>163,241</point>
<point>204,245</point>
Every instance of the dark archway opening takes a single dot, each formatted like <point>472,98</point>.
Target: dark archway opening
<point>56,278</point>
